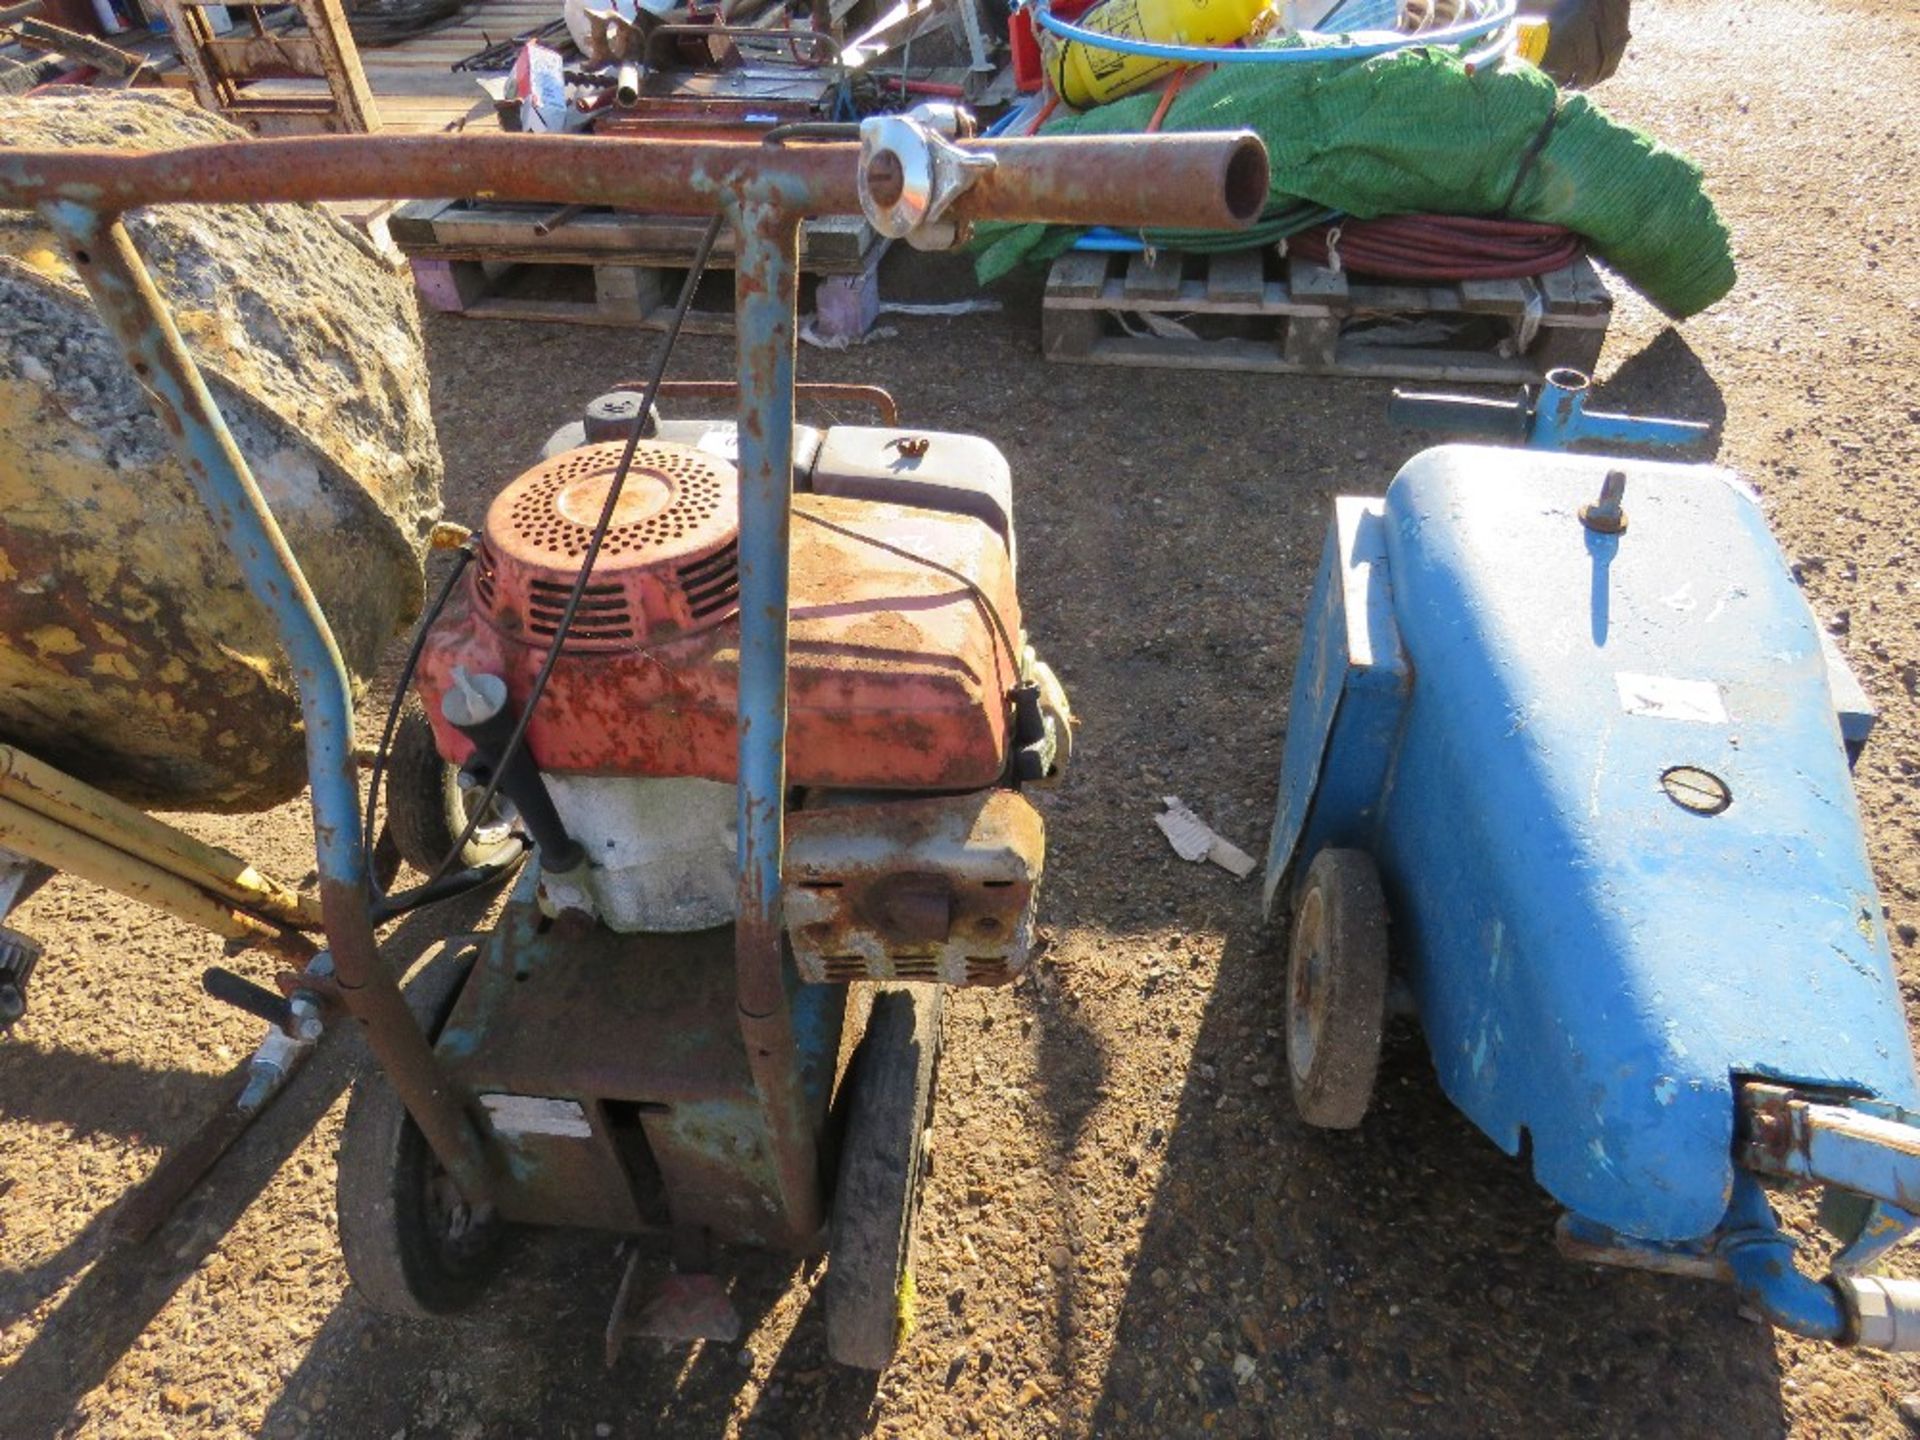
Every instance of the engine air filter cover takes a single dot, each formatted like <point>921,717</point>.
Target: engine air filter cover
<point>669,564</point>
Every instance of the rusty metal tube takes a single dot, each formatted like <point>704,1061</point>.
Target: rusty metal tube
<point>1199,181</point>
<point>767,279</point>
<point>38,786</point>
<point>140,322</point>
<point>1210,181</point>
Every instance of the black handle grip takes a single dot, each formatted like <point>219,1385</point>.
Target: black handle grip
<point>243,994</point>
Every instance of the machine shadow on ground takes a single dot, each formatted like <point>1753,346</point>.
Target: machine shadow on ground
<point>80,1341</point>
<point>1350,1325</point>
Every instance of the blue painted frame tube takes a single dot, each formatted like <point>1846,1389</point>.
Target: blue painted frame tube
<point>766,284</point>
<point>104,256</point>
<point>1761,1259</point>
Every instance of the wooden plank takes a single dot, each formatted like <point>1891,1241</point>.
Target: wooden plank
<point>1567,292</point>
<point>1403,299</point>
<point>565,312</point>
<point>1071,335</point>
<point>448,286</point>
<point>1312,341</point>
<point>1567,346</point>
<point>1316,284</point>
<point>629,292</point>
<point>1312,330</point>
<point>1078,273</point>
<point>1590,290</point>
<point>413,221</point>
<point>1496,297</point>
<point>834,245</point>
<point>1154,274</point>
<point>1237,276</point>
<point>243,57</point>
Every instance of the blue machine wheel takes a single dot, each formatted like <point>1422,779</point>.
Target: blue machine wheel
<point>1336,988</point>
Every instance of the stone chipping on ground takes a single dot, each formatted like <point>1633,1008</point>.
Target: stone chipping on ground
<point>310,342</point>
<point>1126,1232</point>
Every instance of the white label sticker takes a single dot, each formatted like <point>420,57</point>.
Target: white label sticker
<point>723,442</point>
<point>533,1115</point>
<point>1667,698</point>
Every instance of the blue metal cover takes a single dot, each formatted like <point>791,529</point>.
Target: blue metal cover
<point>1594,961</point>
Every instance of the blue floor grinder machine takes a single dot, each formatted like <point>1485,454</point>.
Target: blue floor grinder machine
<point>1567,770</point>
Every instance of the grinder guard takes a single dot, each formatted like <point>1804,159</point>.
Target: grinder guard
<point>1603,775</point>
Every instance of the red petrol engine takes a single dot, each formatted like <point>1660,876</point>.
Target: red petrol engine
<point>911,693</point>
<point>900,672</point>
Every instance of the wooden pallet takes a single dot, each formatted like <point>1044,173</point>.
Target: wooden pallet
<point>603,267</point>
<point>1255,310</point>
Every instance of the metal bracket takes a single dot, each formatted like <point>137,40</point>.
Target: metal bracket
<point>1557,419</point>
<point>1864,1149</point>
<point>911,172</point>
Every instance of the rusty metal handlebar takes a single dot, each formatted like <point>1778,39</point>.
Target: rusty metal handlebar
<point>1194,181</point>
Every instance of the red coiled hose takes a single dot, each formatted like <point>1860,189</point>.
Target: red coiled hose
<point>1439,247</point>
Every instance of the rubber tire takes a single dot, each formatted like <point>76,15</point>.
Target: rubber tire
<point>876,1199</point>
<point>1338,945</point>
<point>380,1194</point>
<point>424,813</point>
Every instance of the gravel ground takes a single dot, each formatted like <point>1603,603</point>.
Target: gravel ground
<point>1126,1232</point>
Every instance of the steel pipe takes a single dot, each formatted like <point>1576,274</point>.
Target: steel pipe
<point>105,259</point>
<point>1192,181</point>
<point>766,280</point>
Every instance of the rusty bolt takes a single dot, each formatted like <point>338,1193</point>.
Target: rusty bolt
<point>1770,1132</point>
<point>1607,515</point>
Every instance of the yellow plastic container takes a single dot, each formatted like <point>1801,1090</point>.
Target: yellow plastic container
<point>1531,35</point>
<point>1084,75</point>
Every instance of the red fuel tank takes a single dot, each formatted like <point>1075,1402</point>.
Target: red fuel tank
<point>900,668</point>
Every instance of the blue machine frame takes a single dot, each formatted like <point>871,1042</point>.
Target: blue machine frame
<point>1661,985</point>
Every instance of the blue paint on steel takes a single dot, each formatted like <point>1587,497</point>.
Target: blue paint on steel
<point>1460,34</point>
<point>227,488</point>
<point>1761,1259</point>
<point>1871,1155</point>
<point>1885,1227</point>
<point>1349,692</point>
<point>766,268</point>
<point>818,1014</point>
<point>1595,965</point>
<point>1561,420</point>
<point>1557,420</point>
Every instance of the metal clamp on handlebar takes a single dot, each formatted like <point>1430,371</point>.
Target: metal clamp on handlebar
<point>911,172</point>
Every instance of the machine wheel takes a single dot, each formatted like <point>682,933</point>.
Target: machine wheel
<point>1336,989</point>
<point>426,806</point>
<point>412,1247</point>
<point>876,1200</point>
